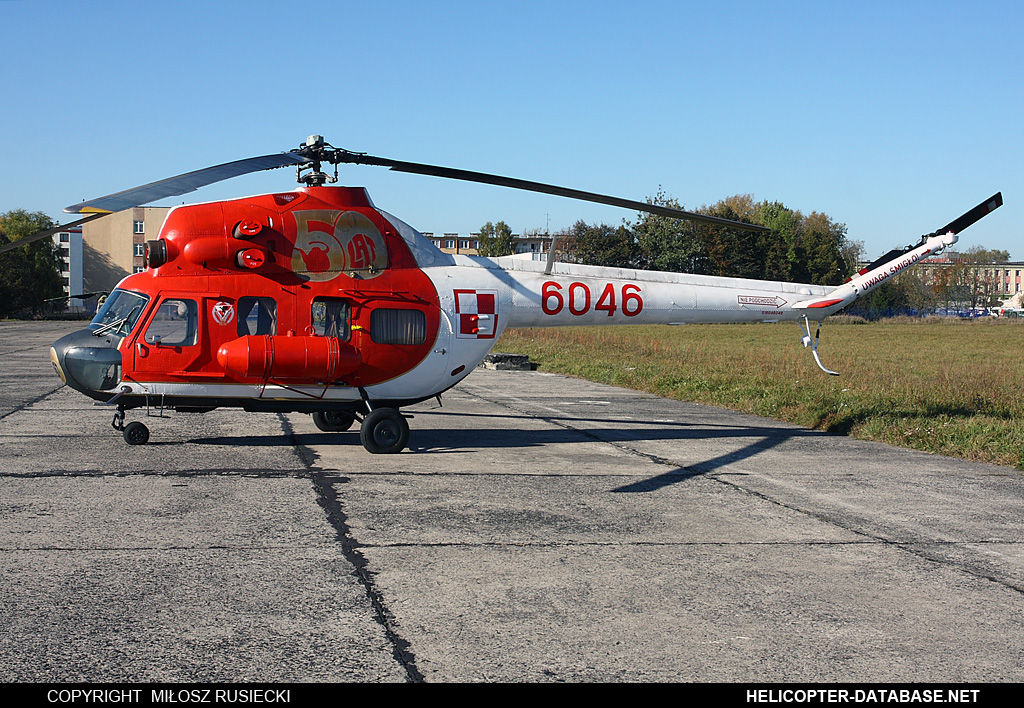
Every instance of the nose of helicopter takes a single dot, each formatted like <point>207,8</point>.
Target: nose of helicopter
<point>55,360</point>
<point>86,363</point>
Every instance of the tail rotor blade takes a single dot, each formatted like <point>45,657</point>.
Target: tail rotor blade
<point>976,214</point>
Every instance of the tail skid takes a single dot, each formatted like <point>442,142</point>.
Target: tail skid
<point>806,340</point>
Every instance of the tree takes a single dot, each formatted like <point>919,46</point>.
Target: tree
<point>598,244</point>
<point>980,254</point>
<point>496,240</point>
<point>967,284</point>
<point>804,249</point>
<point>824,241</point>
<point>781,255</point>
<point>734,252</point>
<point>31,274</point>
<point>952,287</point>
<point>981,280</point>
<point>669,244</point>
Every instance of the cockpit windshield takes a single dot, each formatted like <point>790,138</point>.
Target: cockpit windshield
<point>119,313</point>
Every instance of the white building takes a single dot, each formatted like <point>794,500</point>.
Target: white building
<point>467,244</point>
<point>70,244</point>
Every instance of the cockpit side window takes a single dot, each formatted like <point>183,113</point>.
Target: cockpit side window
<point>422,248</point>
<point>175,324</point>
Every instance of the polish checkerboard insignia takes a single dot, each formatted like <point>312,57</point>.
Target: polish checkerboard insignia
<point>477,313</point>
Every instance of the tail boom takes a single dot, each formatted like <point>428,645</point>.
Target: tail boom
<point>863,283</point>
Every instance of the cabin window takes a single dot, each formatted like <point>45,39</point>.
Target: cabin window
<point>398,326</point>
<point>257,315</point>
<point>175,324</point>
<point>331,317</point>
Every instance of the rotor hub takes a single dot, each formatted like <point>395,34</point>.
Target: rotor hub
<point>316,150</point>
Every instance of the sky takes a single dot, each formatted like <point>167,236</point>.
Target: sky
<point>892,118</point>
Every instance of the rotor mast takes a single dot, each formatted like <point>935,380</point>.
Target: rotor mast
<point>316,151</point>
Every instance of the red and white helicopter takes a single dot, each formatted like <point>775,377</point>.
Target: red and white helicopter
<point>316,301</point>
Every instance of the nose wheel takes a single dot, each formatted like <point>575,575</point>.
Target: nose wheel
<point>135,433</point>
<point>384,431</point>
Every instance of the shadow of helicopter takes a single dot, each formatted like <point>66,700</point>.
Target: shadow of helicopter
<point>566,430</point>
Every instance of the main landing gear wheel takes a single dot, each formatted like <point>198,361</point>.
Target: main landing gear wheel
<point>333,421</point>
<point>136,433</point>
<point>384,431</point>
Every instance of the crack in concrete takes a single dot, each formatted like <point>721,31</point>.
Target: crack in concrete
<point>328,500</point>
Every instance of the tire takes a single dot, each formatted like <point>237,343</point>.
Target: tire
<point>333,421</point>
<point>384,431</point>
<point>136,433</point>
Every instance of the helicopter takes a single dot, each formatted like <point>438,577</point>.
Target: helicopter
<point>316,301</point>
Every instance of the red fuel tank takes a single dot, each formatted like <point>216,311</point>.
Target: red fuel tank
<point>314,359</point>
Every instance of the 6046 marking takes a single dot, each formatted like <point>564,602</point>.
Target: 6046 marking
<point>580,297</point>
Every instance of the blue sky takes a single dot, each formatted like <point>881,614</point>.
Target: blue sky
<point>892,118</point>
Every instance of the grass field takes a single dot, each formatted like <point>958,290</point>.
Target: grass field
<point>944,386</point>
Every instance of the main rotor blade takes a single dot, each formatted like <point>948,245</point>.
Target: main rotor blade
<point>47,232</point>
<point>482,177</point>
<point>984,209</point>
<point>79,296</point>
<point>170,187</point>
<point>183,184</point>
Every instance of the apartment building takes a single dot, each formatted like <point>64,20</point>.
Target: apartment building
<point>468,244</point>
<point>70,244</point>
<point>1001,280</point>
<point>115,246</point>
